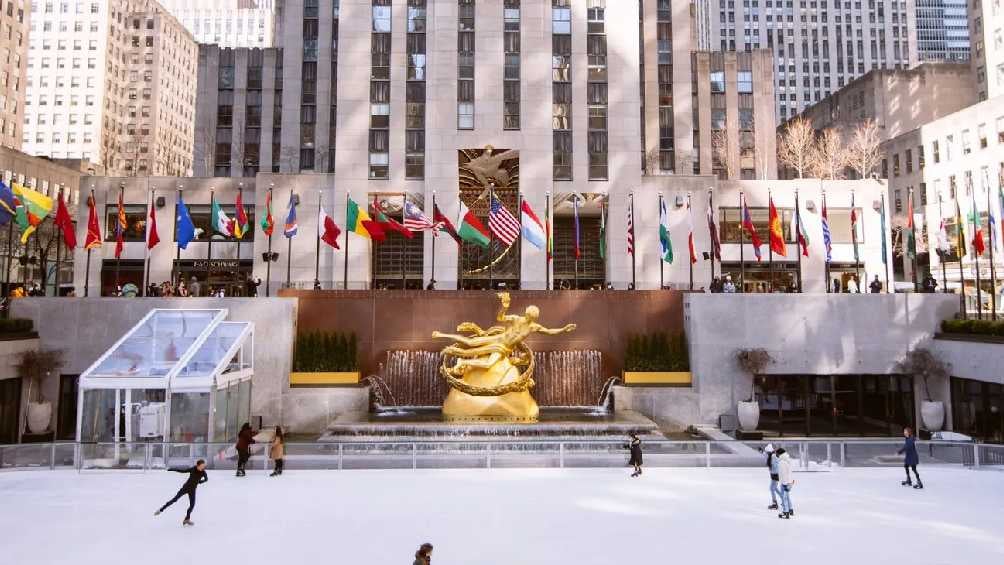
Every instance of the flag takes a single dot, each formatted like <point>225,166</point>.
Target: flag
<point>776,231</point>
<point>501,223</point>
<point>65,223</point>
<point>120,227</point>
<point>471,229</point>
<point>690,233</point>
<point>716,244</point>
<point>910,231</point>
<point>667,243</point>
<point>268,222</point>
<point>960,224</point>
<point>93,240</point>
<point>854,228</point>
<point>388,223</point>
<point>152,237</point>
<point>8,204</point>
<point>978,246</point>
<point>354,218</point>
<point>241,223</point>
<point>326,228</point>
<point>992,228</point>
<point>1000,202</point>
<point>751,230</point>
<point>416,220</point>
<point>630,231</point>
<point>290,227</point>
<point>550,240</point>
<point>533,230</point>
<point>799,229</point>
<point>827,240</point>
<point>575,218</point>
<point>31,208</point>
<point>183,224</point>
<point>219,221</point>
<point>603,233</point>
<point>441,219</point>
<point>943,245</point>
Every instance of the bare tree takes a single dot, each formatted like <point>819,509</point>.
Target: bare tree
<point>720,151</point>
<point>829,156</point>
<point>863,154</point>
<point>205,149</point>
<point>794,146</point>
<point>652,162</point>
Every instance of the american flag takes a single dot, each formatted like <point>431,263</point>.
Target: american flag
<point>416,220</point>
<point>501,223</point>
<point>630,231</point>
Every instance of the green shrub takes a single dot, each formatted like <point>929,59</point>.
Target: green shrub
<point>973,327</point>
<point>16,326</point>
<point>656,352</point>
<point>325,352</point>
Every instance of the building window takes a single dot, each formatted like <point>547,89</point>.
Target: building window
<point>465,64</point>
<point>664,46</point>
<point>597,90</point>
<point>414,158</point>
<point>511,65</point>
<point>561,85</point>
<point>380,49</point>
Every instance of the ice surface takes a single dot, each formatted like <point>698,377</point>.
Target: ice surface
<point>503,517</point>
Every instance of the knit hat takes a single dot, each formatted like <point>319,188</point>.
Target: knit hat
<point>769,448</point>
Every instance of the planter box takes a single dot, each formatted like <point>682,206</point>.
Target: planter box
<point>659,378</point>
<point>324,379</point>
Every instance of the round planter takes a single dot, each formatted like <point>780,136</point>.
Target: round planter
<point>39,416</point>
<point>749,415</point>
<point>932,414</point>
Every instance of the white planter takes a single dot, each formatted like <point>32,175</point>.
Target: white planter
<point>39,416</point>
<point>749,415</point>
<point>932,415</point>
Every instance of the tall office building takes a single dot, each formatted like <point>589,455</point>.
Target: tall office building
<point>942,30</point>
<point>986,21</point>
<point>14,17</point>
<point>111,82</point>
<point>228,23</point>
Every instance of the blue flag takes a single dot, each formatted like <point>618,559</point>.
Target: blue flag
<point>290,227</point>
<point>184,228</point>
<point>8,204</point>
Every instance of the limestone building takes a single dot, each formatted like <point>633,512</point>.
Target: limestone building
<point>111,82</point>
<point>986,23</point>
<point>228,23</point>
<point>14,18</point>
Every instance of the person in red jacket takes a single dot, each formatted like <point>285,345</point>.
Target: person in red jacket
<point>244,440</point>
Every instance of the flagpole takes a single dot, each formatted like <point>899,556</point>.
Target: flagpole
<point>826,252</point>
<point>711,205</point>
<point>547,240</point>
<point>177,246</point>
<point>345,262</point>
<point>941,252</point>
<point>798,237</point>
<point>662,281</point>
<point>212,222</point>
<point>289,248</point>
<point>491,238</point>
<point>690,260</point>
<point>404,277</point>
<point>146,258</point>
<point>10,253</point>
<point>634,280</point>
<point>976,257</point>
<point>960,229</point>
<point>435,233</point>
<point>993,271</point>
<point>770,248</point>
<point>519,240</point>
<point>237,272</point>
<point>854,238</point>
<point>460,245</point>
<point>885,253</point>
<point>575,205</point>
<point>59,246</point>
<point>913,234</point>
<point>317,245</point>
<point>268,264</point>
<point>742,246</point>
<point>118,258</point>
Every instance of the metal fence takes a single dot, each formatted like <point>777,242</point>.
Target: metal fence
<point>808,454</point>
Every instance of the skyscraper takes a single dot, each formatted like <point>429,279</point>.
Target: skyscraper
<point>14,18</point>
<point>227,23</point>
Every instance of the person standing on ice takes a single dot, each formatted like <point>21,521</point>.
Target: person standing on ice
<point>277,452</point>
<point>772,468</point>
<point>911,459</point>
<point>244,440</point>
<point>196,476</point>
<point>424,555</point>
<point>787,482</point>
<point>635,446</point>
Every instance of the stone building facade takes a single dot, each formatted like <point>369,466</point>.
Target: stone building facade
<point>14,22</point>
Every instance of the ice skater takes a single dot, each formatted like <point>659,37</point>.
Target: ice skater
<point>424,555</point>
<point>244,440</point>
<point>277,452</point>
<point>635,446</point>
<point>787,482</point>
<point>772,468</point>
<point>196,476</point>
<point>911,459</point>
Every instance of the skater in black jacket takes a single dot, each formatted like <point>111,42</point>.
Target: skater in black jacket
<point>635,446</point>
<point>911,458</point>
<point>196,476</point>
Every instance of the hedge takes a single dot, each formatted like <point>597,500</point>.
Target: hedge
<point>973,327</point>
<point>16,326</point>
<point>325,352</point>
<point>657,352</point>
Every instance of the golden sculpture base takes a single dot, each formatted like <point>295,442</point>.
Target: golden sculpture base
<point>516,407</point>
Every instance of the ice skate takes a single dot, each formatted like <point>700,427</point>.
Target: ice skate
<point>906,483</point>
<point>772,506</point>
<point>783,516</point>
<point>918,486</point>
<point>791,512</point>
<point>274,474</point>
<point>187,522</point>
<point>157,513</point>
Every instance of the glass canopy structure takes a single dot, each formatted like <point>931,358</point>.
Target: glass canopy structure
<point>178,376</point>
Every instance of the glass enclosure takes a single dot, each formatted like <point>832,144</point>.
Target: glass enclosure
<point>179,376</point>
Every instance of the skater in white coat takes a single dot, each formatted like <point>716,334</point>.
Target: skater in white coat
<point>196,476</point>
<point>787,482</point>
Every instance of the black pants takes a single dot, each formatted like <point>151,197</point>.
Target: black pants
<point>279,464</point>
<point>191,501</point>
<point>242,458</point>
<point>907,469</point>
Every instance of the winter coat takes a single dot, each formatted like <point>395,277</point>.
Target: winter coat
<point>244,439</point>
<point>635,447</point>
<point>784,470</point>
<point>772,465</point>
<point>277,450</point>
<point>910,450</point>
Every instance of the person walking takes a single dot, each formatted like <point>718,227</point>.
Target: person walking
<point>277,452</point>
<point>772,468</point>
<point>635,446</point>
<point>424,555</point>
<point>244,440</point>
<point>196,476</point>
<point>728,287</point>
<point>787,482</point>
<point>910,459</point>
<point>876,286</point>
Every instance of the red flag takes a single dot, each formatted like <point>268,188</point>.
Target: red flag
<point>120,228</point>
<point>440,218</point>
<point>388,223</point>
<point>776,231</point>
<point>152,238</point>
<point>327,230</point>
<point>65,223</point>
<point>751,230</point>
<point>93,240</point>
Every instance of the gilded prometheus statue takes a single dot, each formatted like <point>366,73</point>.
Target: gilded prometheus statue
<point>490,371</point>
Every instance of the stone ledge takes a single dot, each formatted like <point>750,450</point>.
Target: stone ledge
<point>975,338</point>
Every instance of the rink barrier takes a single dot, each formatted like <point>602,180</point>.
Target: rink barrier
<point>808,455</point>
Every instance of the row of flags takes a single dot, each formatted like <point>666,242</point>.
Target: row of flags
<point>27,208</point>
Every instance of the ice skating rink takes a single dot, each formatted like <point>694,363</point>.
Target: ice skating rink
<point>503,517</point>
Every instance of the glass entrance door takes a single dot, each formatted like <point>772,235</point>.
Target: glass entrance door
<point>10,410</point>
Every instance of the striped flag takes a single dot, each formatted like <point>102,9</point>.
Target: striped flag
<point>827,241</point>
<point>416,220</point>
<point>290,226</point>
<point>533,231</point>
<point>716,244</point>
<point>502,223</point>
<point>630,232</point>
<point>120,227</point>
<point>751,230</point>
<point>575,215</point>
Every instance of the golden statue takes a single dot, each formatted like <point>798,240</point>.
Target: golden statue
<point>490,372</point>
